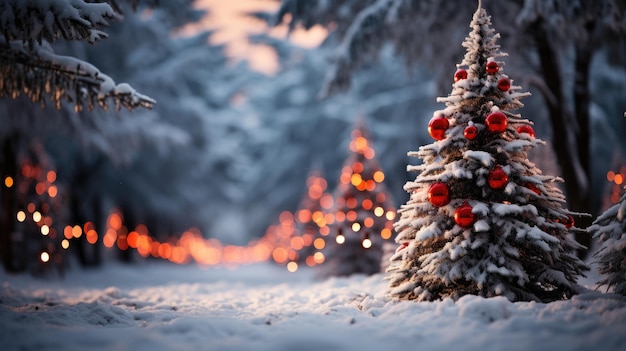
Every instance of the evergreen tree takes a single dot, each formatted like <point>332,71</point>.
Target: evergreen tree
<point>363,214</point>
<point>610,230</point>
<point>481,218</point>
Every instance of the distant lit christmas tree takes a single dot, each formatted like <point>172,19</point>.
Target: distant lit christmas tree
<point>363,214</point>
<point>481,218</point>
<point>610,231</point>
<point>312,218</point>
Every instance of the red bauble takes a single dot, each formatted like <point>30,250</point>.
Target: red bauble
<point>439,194</point>
<point>470,132</point>
<point>460,74</point>
<point>437,127</point>
<point>526,129</point>
<point>463,216</point>
<point>534,188</point>
<point>496,122</point>
<point>492,67</point>
<point>504,84</point>
<point>497,178</point>
<point>569,222</point>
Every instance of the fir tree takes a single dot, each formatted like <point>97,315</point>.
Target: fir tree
<point>610,230</point>
<point>363,214</point>
<point>481,218</point>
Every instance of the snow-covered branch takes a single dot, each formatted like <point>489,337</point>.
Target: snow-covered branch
<point>35,21</point>
<point>38,72</point>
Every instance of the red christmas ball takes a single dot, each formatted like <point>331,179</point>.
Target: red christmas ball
<point>496,122</point>
<point>569,222</point>
<point>497,178</point>
<point>439,194</point>
<point>460,74</point>
<point>492,67</point>
<point>463,216</point>
<point>504,84</point>
<point>534,188</point>
<point>526,129</point>
<point>437,127</point>
<point>470,132</point>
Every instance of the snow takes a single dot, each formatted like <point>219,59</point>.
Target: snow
<point>158,306</point>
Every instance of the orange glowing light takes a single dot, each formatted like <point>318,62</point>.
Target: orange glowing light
<point>368,222</point>
<point>319,243</point>
<point>122,244</point>
<point>340,216</point>
<point>77,231</point>
<point>351,215</point>
<point>367,204</point>
<point>324,231</point>
<point>326,201</point>
<point>165,250</point>
<point>307,239</point>
<point>40,188</point>
<point>370,185</point>
<point>92,236</point>
<point>345,178</point>
<point>297,243</point>
<point>280,255</point>
<point>319,257</point>
<point>8,182</point>
<point>610,176</point>
<point>356,179</point>
<point>619,179</point>
<point>369,153</point>
<point>310,261</point>
<point>379,176</point>
<point>53,191</point>
<point>144,245</point>
<point>285,217</point>
<point>51,176</point>
<point>65,244</point>
<point>360,143</point>
<point>351,202</point>
<point>26,171</point>
<point>115,221</point>
<point>132,239</point>
<point>357,167</point>
<point>304,216</point>
<point>109,239</point>
<point>329,218</point>
<point>385,233</point>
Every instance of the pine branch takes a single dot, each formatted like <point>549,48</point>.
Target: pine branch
<point>35,21</point>
<point>39,73</point>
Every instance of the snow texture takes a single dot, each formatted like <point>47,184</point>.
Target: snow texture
<point>160,306</point>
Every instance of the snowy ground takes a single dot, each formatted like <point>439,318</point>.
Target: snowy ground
<point>159,306</point>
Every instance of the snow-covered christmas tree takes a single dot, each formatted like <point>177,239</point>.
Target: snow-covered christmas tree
<point>481,218</point>
<point>610,231</point>
<point>363,214</point>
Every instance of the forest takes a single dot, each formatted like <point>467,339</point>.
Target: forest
<point>117,116</point>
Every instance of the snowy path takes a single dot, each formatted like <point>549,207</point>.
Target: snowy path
<point>159,306</point>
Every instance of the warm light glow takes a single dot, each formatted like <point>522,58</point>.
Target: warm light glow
<point>132,239</point>
<point>356,227</point>
<point>360,143</point>
<point>109,239</point>
<point>324,231</point>
<point>319,257</point>
<point>390,215</point>
<point>340,239</point>
<point>44,257</point>
<point>65,244</point>
<point>53,191</point>
<point>115,221</point>
<point>31,207</point>
<point>280,255</point>
<point>292,266</point>
<point>297,243</point>
<point>21,216</point>
<point>36,216</point>
<point>77,231</point>
<point>40,188</point>
<point>368,222</point>
<point>326,201</point>
<point>385,233</point>
<point>92,236</point>
<point>367,243</point>
<point>319,243</point>
<point>610,176</point>
<point>367,204</point>
<point>379,176</point>
<point>304,216</point>
<point>45,230</point>
<point>357,167</point>
<point>351,202</point>
<point>8,182</point>
<point>351,215</point>
<point>619,179</point>
<point>379,211</point>
<point>51,176</point>
<point>340,216</point>
<point>356,179</point>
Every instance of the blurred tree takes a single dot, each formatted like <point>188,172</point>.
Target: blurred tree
<point>556,39</point>
<point>30,69</point>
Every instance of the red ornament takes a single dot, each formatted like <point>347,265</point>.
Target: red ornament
<point>569,222</point>
<point>437,127</point>
<point>463,216</point>
<point>492,67</point>
<point>504,84</point>
<point>526,129</point>
<point>534,188</point>
<point>439,194</point>
<point>496,122</point>
<point>460,74</point>
<point>497,178</point>
<point>470,132</point>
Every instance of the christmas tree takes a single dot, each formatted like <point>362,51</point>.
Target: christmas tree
<point>610,230</point>
<point>481,218</point>
<point>363,214</point>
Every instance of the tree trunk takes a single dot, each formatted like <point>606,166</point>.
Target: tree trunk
<point>570,132</point>
<point>8,197</point>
